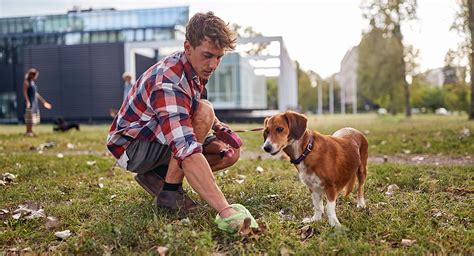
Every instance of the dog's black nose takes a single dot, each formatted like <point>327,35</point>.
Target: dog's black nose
<point>267,148</point>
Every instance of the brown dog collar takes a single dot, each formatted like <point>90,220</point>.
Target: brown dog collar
<point>308,149</point>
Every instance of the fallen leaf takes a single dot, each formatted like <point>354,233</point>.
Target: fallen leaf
<point>36,214</point>
<point>63,234</point>
<point>108,249</point>
<point>51,222</point>
<point>465,132</point>
<point>101,185</point>
<point>241,177</point>
<point>8,177</point>
<point>70,146</point>
<point>60,155</point>
<point>406,151</point>
<point>306,232</point>
<point>286,252</point>
<point>27,249</point>
<point>245,228</point>
<point>259,169</point>
<point>162,250</point>
<point>417,159</point>
<point>16,216</point>
<point>391,189</point>
<point>90,163</point>
<point>407,242</point>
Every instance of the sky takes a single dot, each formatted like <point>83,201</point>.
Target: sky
<point>317,33</point>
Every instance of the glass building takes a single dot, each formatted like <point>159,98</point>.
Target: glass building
<point>77,27</point>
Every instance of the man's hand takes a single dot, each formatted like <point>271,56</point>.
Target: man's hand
<point>28,104</point>
<point>219,126</point>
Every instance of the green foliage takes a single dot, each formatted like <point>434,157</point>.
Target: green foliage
<point>307,95</point>
<point>272,93</point>
<point>454,97</point>
<point>377,76</point>
<point>385,41</point>
<point>457,97</point>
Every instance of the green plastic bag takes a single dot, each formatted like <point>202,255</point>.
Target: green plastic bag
<point>232,223</point>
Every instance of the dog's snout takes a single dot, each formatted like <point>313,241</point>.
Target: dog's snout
<point>267,148</point>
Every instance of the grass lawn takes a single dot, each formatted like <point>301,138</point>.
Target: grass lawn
<point>107,212</point>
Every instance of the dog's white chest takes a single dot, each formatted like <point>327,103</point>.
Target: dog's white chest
<point>309,179</point>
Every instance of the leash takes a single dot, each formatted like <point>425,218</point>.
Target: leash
<point>250,130</point>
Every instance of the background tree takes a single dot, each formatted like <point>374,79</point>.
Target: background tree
<point>307,95</point>
<point>464,24</point>
<point>388,16</point>
<point>376,76</point>
<point>253,48</point>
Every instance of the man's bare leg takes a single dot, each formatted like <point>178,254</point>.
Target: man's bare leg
<point>196,168</point>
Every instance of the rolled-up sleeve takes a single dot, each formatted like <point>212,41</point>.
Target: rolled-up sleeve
<point>172,106</point>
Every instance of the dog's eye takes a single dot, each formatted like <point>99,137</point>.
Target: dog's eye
<point>279,129</point>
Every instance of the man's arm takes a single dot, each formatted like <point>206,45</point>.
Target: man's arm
<point>199,175</point>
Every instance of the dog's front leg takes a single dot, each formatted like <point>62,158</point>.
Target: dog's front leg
<point>318,207</point>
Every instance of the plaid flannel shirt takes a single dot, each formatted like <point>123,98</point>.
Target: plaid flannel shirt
<point>159,108</point>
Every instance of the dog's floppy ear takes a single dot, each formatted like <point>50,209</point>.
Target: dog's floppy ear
<point>266,121</point>
<point>296,124</point>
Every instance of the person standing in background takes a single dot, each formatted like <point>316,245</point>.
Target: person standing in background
<point>30,92</point>
<point>127,83</point>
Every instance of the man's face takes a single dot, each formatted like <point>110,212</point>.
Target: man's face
<point>204,58</point>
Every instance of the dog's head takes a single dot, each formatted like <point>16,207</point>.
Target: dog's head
<point>281,129</point>
<point>59,121</point>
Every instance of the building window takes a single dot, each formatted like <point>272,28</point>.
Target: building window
<point>220,85</point>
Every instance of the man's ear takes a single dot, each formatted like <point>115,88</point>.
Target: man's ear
<point>187,47</point>
<point>296,124</point>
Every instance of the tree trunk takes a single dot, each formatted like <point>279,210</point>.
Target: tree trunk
<point>398,35</point>
<point>407,98</point>
<point>471,29</point>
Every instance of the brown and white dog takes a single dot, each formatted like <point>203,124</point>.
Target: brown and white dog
<point>326,164</point>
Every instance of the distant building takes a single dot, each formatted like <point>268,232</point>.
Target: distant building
<point>82,54</point>
<point>445,75</point>
<point>435,77</point>
<point>347,79</point>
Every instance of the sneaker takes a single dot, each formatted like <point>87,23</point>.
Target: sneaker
<point>175,200</point>
<point>151,182</point>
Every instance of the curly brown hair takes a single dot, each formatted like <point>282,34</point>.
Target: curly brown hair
<point>203,25</point>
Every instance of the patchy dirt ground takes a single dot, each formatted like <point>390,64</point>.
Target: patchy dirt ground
<point>398,158</point>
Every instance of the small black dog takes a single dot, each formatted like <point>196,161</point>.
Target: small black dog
<point>64,126</point>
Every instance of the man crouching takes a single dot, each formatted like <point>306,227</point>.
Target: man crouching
<point>160,128</point>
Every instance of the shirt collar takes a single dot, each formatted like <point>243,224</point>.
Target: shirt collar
<point>191,75</point>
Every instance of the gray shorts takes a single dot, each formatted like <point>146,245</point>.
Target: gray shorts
<point>144,156</point>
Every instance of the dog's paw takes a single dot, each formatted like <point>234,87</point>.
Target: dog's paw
<point>361,203</point>
<point>315,217</point>
<point>334,222</point>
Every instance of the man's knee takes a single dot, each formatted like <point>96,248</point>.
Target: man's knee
<point>204,112</point>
